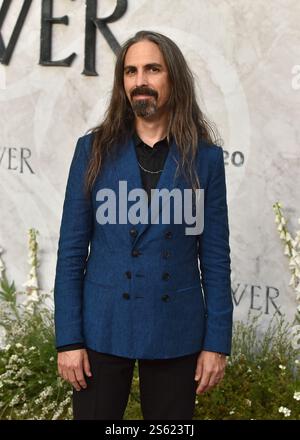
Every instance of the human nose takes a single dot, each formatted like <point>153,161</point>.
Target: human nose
<point>141,78</point>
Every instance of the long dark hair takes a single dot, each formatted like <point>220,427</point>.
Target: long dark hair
<point>187,124</point>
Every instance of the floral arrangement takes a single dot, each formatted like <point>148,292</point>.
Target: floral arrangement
<point>292,251</point>
<point>262,379</point>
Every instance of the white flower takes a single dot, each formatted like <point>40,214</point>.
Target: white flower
<point>32,282</point>
<point>248,402</point>
<point>288,236</point>
<point>2,267</point>
<point>285,411</point>
<point>295,332</point>
<point>294,243</point>
<point>292,280</point>
<point>297,362</point>
<point>15,400</point>
<point>292,263</point>
<point>297,395</point>
<point>282,235</point>
<point>282,367</point>
<point>31,297</point>
<point>18,345</point>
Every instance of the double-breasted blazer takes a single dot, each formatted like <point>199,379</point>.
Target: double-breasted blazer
<point>144,291</point>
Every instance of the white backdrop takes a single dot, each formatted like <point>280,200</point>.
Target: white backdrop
<point>244,55</point>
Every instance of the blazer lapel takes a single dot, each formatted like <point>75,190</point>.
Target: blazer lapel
<point>127,169</point>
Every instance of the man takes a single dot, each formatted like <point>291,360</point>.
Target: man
<point>139,293</point>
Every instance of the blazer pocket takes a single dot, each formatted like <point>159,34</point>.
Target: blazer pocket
<point>187,289</point>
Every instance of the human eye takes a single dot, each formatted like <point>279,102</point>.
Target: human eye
<point>129,71</point>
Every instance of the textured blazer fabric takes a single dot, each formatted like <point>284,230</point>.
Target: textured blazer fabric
<point>145,290</point>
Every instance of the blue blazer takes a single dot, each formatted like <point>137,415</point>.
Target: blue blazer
<point>144,291</point>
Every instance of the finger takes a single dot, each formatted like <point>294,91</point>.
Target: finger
<point>73,380</point>
<point>59,368</point>
<point>80,377</point>
<point>203,383</point>
<point>62,370</point>
<point>198,372</point>
<point>64,374</point>
<point>214,380</point>
<point>86,365</point>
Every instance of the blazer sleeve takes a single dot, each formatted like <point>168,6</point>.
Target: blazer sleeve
<point>215,261</point>
<point>74,238</point>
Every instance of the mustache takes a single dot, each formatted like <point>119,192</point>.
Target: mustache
<point>144,91</point>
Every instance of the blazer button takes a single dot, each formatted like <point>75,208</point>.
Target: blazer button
<point>165,297</point>
<point>168,234</point>
<point>166,254</point>
<point>126,295</point>
<point>133,232</point>
<point>128,274</point>
<point>135,253</point>
<point>166,276</point>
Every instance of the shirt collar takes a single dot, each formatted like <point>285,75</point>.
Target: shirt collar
<point>138,141</point>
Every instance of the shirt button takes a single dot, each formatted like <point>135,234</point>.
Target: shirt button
<point>128,274</point>
<point>126,295</point>
<point>168,234</point>
<point>165,298</point>
<point>166,276</point>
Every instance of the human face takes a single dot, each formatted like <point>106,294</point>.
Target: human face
<point>146,79</point>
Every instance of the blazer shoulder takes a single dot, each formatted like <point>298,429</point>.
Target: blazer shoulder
<point>209,152</point>
<point>86,141</point>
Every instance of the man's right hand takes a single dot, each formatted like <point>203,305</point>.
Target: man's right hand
<point>72,365</point>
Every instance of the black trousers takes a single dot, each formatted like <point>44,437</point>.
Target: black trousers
<point>167,388</point>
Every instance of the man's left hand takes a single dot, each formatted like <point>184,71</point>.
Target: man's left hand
<point>210,370</point>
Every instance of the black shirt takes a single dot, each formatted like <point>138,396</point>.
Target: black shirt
<point>151,159</point>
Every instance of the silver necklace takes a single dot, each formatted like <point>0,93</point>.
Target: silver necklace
<point>148,171</point>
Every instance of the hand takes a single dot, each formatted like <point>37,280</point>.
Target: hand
<point>210,370</point>
<point>71,366</point>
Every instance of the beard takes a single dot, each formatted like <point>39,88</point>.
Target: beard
<point>144,107</point>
